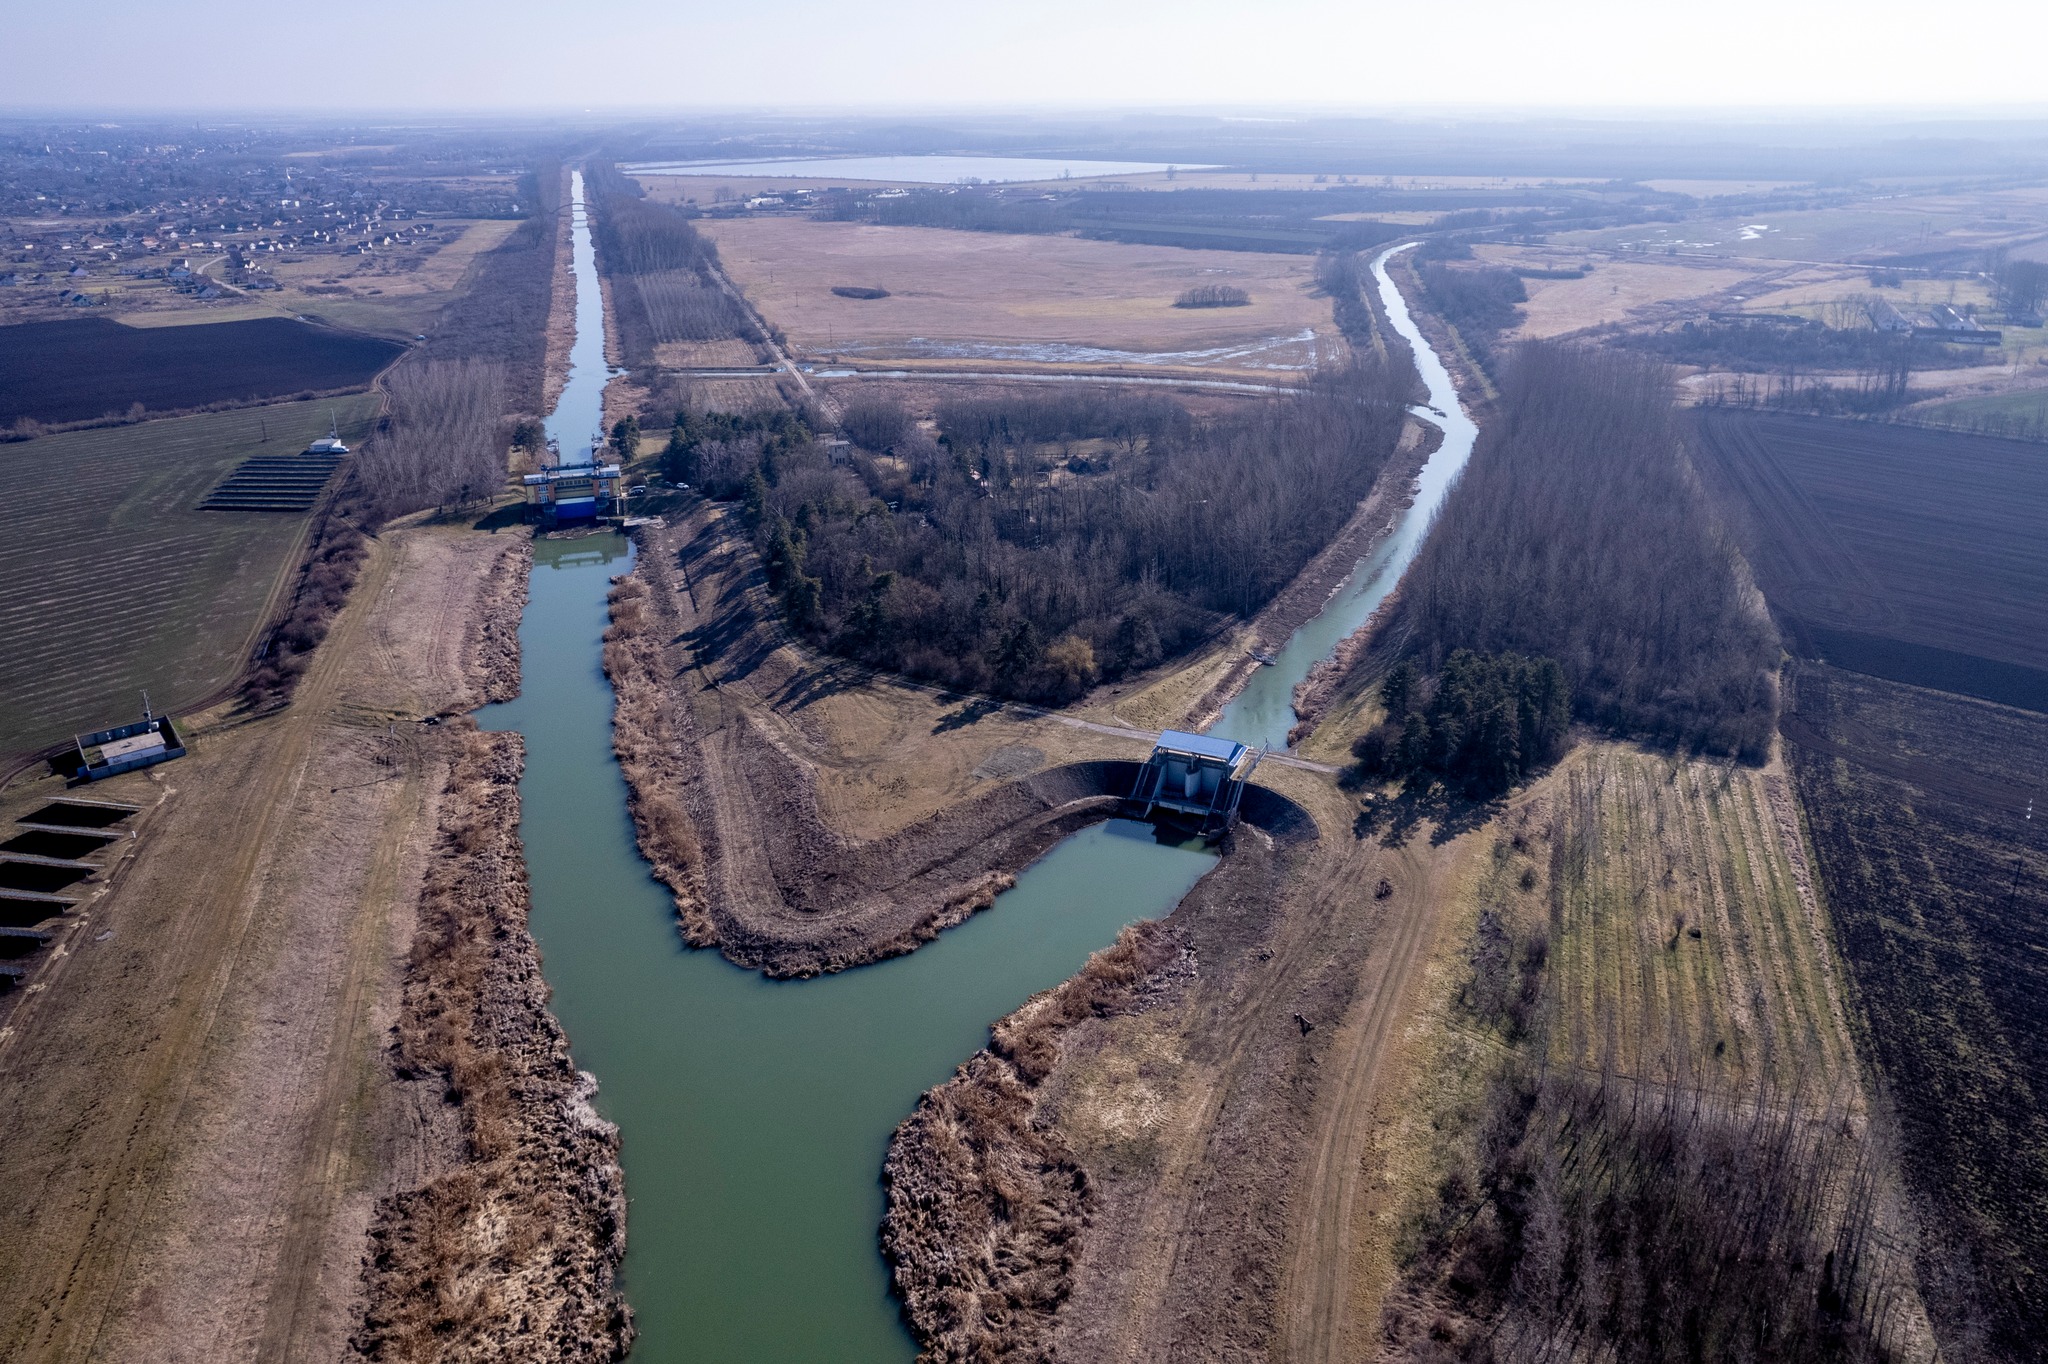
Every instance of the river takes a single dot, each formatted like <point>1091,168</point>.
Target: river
<point>755,1114</point>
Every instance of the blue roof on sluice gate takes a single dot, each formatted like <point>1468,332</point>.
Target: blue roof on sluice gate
<point>1224,750</point>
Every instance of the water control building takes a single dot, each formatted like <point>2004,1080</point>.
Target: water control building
<point>1195,778</point>
<point>574,492</point>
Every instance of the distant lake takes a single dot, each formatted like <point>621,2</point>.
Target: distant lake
<point>922,170</point>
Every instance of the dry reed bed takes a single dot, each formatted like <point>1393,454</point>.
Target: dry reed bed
<point>513,1253</point>
<point>986,1203</point>
<point>644,737</point>
<point>492,642</point>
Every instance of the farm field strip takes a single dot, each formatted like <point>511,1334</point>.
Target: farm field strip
<point>1938,889</point>
<point>1928,537</point>
<point>80,369</point>
<point>1602,851</point>
<point>1649,852</point>
<point>117,582</point>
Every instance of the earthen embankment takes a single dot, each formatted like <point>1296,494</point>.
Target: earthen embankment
<point>509,1247</point>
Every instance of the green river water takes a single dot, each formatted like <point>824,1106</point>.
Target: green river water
<point>755,1114</point>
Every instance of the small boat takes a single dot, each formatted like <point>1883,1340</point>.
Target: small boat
<point>1262,658</point>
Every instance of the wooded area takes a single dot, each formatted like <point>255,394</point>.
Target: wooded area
<point>1579,533</point>
<point>1481,302</point>
<point>444,442</point>
<point>502,318</point>
<point>1489,720</point>
<point>995,559</point>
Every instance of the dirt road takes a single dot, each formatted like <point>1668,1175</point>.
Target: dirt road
<point>1314,1292</point>
<point>194,1087</point>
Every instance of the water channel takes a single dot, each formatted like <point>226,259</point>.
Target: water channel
<point>755,1114</point>
<point>1264,711</point>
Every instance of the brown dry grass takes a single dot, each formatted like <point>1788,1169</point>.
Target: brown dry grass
<point>403,276</point>
<point>398,290</point>
<point>1809,291</point>
<point>950,286</point>
<point>1615,291</point>
<point>512,1253</point>
<point>705,354</point>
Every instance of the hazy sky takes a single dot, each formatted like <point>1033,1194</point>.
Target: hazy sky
<point>609,54</point>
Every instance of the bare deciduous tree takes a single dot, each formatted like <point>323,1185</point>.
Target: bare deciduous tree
<point>443,444</point>
<point>1579,532</point>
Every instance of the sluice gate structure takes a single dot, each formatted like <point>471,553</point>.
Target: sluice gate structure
<point>1195,780</point>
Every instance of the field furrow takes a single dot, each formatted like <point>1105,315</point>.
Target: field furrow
<point>117,582</point>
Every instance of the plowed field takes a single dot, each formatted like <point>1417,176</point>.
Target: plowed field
<point>1937,881</point>
<point>1907,554</point>
<point>74,371</point>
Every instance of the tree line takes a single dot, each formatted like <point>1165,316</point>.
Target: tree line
<point>661,268</point>
<point>1294,221</point>
<point>1212,296</point>
<point>2022,285</point>
<point>1024,419</point>
<point>982,560</point>
<point>1579,533</point>
<point>633,235</point>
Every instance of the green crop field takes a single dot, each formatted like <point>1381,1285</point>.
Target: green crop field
<point>2023,413</point>
<point>115,582</point>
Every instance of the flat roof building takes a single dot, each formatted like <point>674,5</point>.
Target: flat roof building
<point>1196,778</point>
<point>573,492</point>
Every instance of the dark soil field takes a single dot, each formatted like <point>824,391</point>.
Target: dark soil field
<point>1903,553</point>
<point>1937,881</point>
<point>116,581</point>
<point>56,372</point>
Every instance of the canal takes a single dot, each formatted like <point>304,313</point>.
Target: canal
<point>755,1114</point>
<point>1263,712</point>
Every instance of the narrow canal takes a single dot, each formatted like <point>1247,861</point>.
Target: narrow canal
<point>1264,711</point>
<point>756,1114</point>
